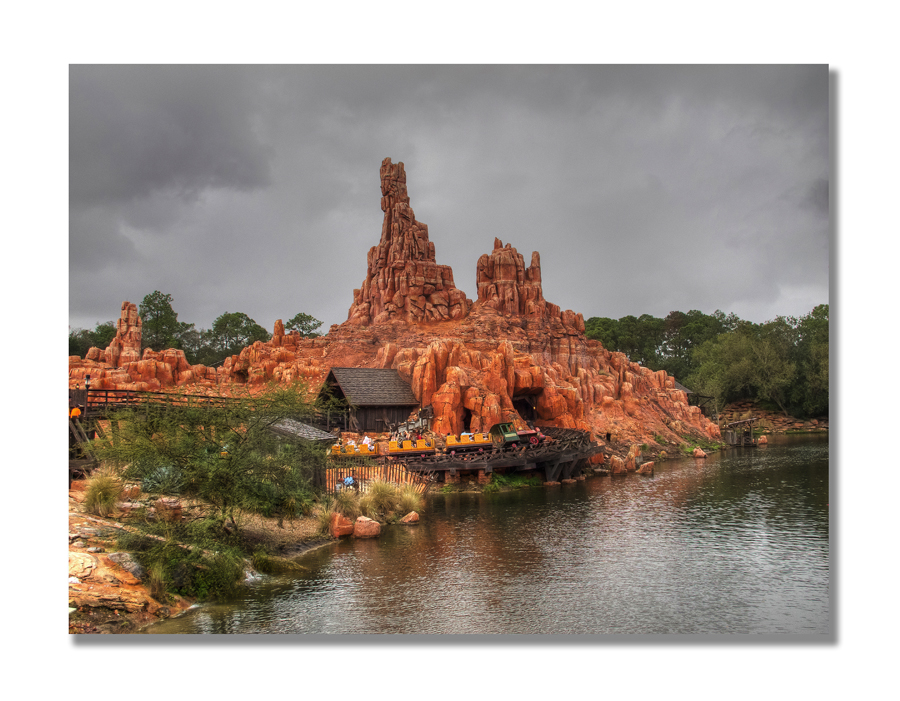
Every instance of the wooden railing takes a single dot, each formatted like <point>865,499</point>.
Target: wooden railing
<point>103,400</point>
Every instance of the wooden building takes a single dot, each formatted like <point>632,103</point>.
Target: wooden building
<point>377,398</point>
<point>740,433</point>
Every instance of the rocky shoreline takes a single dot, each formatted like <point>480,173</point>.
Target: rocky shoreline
<point>108,590</point>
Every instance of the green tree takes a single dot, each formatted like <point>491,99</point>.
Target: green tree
<point>160,326</point>
<point>639,338</point>
<point>810,394</point>
<point>82,340</point>
<point>304,324</point>
<point>225,455</point>
<point>233,331</point>
<point>686,331</point>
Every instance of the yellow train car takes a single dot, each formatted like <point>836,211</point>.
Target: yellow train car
<point>417,448</point>
<point>468,442</point>
<point>349,451</point>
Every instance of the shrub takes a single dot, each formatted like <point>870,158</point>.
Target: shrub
<point>347,503</point>
<point>104,489</point>
<point>323,516</point>
<point>514,481</point>
<point>186,570</point>
<point>165,479</point>
<point>157,576</point>
<point>410,499</point>
<point>225,455</point>
<point>381,499</point>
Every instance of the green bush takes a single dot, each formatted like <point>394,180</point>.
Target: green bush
<point>164,479</point>
<point>225,455</point>
<point>186,570</point>
<point>515,481</point>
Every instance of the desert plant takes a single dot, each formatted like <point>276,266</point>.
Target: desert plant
<point>164,479</point>
<point>347,503</point>
<point>323,515</point>
<point>381,499</point>
<point>157,577</point>
<point>189,570</point>
<point>104,489</point>
<point>224,454</point>
<point>410,499</point>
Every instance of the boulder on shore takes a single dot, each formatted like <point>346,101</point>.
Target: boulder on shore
<point>340,525</point>
<point>366,528</point>
<point>645,469</point>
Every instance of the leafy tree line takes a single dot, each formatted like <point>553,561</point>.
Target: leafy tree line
<point>82,340</point>
<point>782,362</point>
<point>161,329</point>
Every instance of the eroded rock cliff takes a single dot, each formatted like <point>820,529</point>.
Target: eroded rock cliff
<point>510,355</point>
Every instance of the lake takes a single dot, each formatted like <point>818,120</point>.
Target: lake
<point>733,544</point>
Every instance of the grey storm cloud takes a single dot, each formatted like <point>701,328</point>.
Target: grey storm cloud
<point>646,189</point>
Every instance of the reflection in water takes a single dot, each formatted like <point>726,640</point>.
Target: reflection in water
<point>737,543</point>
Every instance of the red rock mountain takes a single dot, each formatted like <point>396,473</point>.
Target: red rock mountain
<point>507,356</point>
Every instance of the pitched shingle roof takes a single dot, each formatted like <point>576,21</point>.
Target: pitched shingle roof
<point>373,387</point>
<point>684,389</point>
<point>295,429</point>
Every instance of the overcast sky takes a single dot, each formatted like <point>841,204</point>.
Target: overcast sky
<point>646,189</point>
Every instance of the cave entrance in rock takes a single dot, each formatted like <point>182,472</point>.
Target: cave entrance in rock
<point>467,420</point>
<point>525,406</point>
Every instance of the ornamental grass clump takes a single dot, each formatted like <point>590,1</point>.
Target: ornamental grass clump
<point>380,500</point>
<point>104,490</point>
<point>347,503</point>
<point>323,516</point>
<point>410,499</point>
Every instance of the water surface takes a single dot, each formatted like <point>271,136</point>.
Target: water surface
<point>736,543</point>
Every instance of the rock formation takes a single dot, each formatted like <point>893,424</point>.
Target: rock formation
<point>509,356</point>
<point>126,346</point>
<point>403,282</point>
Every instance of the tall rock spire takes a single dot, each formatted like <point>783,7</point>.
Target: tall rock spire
<point>403,281</point>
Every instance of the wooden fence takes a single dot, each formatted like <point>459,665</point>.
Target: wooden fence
<point>364,475</point>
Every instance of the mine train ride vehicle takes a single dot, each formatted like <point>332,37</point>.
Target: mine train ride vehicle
<point>501,437</point>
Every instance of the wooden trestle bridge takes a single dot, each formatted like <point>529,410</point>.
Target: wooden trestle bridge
<point>564,456</point>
